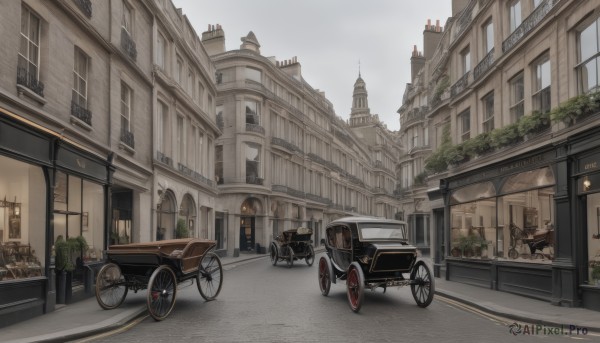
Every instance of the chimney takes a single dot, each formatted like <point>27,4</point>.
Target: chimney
<point>417,61</point>
<point>214,40</point>
<point>292,67</point>
<point>431,38</point>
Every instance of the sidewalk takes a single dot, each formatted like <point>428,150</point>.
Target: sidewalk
<point>86,318</point>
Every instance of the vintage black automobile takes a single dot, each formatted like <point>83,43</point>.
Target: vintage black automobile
<point>371,252</point>
<point>293,244</point>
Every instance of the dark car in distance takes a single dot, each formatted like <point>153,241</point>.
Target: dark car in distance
<point>369,252</point>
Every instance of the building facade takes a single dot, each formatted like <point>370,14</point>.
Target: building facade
<point>184,130</point>
<point>285,159</point>
<point>104,135</point>
<point>511,112</point>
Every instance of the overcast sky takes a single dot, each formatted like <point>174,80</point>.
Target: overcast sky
<point>329,37</point>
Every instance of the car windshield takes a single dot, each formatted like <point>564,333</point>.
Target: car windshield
<point>382,231</point>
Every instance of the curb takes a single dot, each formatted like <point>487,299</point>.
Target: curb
<point>525,318</point>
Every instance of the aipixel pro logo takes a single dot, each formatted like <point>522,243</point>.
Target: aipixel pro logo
<point>538,329</point>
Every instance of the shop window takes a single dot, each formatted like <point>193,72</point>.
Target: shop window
<point>593,238</point>
<point>22,220</point>
<point>516,226</point>
<point>78,212</point>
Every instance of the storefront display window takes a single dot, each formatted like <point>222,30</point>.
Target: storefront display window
<point>79,211</point>
<point>22,220</point>
<point>593,224</point>
<point>516,225</point>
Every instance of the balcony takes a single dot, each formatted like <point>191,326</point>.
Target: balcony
<point>528,24</point>
<point>460,85</point>
<point>127,138</point>
<point>414,115</point>
<point>128,45</point>
<point>81,113</point>
<point>287,145</point>
<point>85,6</point>
<point>255,128</point>
<point>484,65</point>
<point>253,180</point>
<point>288,191</point>
<point>27,79</point>
<point>163,158</point>
<point>318,198</point>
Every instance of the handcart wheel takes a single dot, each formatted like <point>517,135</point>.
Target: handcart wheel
<point>210,276</point>
<point>111,287</point>
<point>422,285</point>
<point>310,257</point>
<point>162,291</point>
<point>355,283</point>
<point>274,255</point>
<point>290,260</point>
<point>325,275</point>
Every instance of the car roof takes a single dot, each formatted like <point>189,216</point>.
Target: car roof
<point>365,219</point>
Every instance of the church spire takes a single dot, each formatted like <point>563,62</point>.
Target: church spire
<point>360,113</point>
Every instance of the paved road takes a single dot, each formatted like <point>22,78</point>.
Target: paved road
<point>263,303</point>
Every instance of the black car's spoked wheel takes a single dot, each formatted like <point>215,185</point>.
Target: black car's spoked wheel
<point>210,276</point>
<point>274,254</point>
<point>355,283</point>
<point>422,286</point>
<point>324,275</point>
<point>310,257</point>
<point>162,290</point>
<point>290,260</point>
<point>111,287</point>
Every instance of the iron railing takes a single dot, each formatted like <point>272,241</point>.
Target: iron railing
<point>81,113</point>
<point>27,79</point>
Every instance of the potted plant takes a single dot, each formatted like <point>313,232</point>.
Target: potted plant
<point>465,244</point>
<point>68,254</point>
<point>181,231</point>
<point>596,273</point>
<point>483,245</point>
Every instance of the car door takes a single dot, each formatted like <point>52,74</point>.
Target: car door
<point>342,252</point>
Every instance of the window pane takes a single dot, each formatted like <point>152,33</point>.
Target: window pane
<point>588,43</point>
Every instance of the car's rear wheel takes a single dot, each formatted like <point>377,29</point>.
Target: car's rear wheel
<point>355,283</point>
<point>274,254</point>
<point>310,256</point>
<point>325,275</point>
<point>422,285</point>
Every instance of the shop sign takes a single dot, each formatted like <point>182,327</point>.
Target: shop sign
<point>589,164</point>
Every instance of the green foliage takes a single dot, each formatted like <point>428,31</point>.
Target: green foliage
<point>505,136</point>
<point>455,154</point>
<point>596,272</point>
<point>420,179</point>
<point>68,250</point>
<point>182,230</point>
<point>441,87</point>
<point>437,162</point>
<point>533,123</point>
<point>575,107</point>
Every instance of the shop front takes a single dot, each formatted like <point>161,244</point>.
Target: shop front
<point>501,226</point>
<point>48,188</point>
<point>586,175</point>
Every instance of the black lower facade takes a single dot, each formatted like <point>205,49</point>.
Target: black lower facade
<point>529,224</point>
<point>51,191</point>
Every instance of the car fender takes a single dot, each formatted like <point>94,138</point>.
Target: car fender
<point>332,276</point>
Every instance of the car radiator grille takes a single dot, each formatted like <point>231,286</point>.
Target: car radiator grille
<point>393,261</point>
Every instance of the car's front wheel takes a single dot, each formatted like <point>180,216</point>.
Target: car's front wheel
<point>422,285</point>
<point>355,284</point>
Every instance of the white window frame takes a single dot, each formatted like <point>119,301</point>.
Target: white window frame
<point>515,15</point>
<point>80,76</point>
<point>126,97</point>
<point>31,59</point>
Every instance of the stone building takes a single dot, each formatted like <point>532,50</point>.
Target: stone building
<point>184,129</point>
<point>509,99</point>
<point>82,149</point>
<point>285,159</point>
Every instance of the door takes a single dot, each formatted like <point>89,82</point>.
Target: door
<point>247,234</point>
